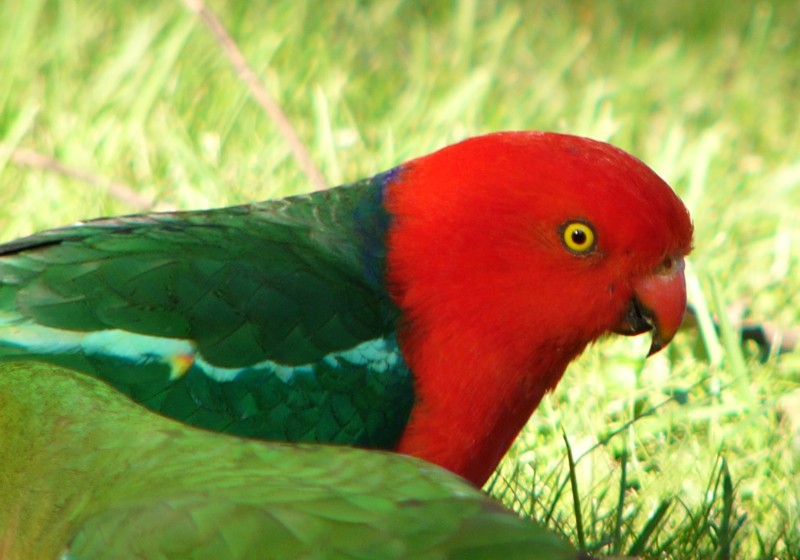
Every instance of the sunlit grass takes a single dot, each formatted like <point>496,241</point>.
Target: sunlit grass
<point>706,93</point>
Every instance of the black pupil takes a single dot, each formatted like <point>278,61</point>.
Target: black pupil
<point>578,236</point>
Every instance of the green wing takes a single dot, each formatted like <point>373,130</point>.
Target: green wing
<point>88,474</point>
<point>267,320</point>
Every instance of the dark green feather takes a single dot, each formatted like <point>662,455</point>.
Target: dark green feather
<point>279,307</point>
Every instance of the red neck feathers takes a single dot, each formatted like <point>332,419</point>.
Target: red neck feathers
<point>494,305</point>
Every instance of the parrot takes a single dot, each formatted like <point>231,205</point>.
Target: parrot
<point>86,473</point>
<point>425,310</point>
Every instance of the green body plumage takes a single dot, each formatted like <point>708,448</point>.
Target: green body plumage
<point>88,474</point>
<point>268,320</point>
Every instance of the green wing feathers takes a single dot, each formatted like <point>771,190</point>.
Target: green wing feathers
<point>267,320</point>
<point>280,280</point>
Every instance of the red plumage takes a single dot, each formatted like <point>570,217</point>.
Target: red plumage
<point>499,305</point>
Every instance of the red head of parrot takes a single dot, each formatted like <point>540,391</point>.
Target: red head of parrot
<point>508,254</point>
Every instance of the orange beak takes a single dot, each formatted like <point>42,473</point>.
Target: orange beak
<point>658,304</point>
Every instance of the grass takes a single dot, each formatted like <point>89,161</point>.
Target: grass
<point>691,454</point>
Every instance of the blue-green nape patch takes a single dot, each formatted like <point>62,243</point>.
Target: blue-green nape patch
<point>360,395</point>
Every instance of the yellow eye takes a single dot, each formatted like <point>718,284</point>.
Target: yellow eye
<point>578,237</point>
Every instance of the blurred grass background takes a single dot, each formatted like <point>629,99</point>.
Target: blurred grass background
<point>692,454</point>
